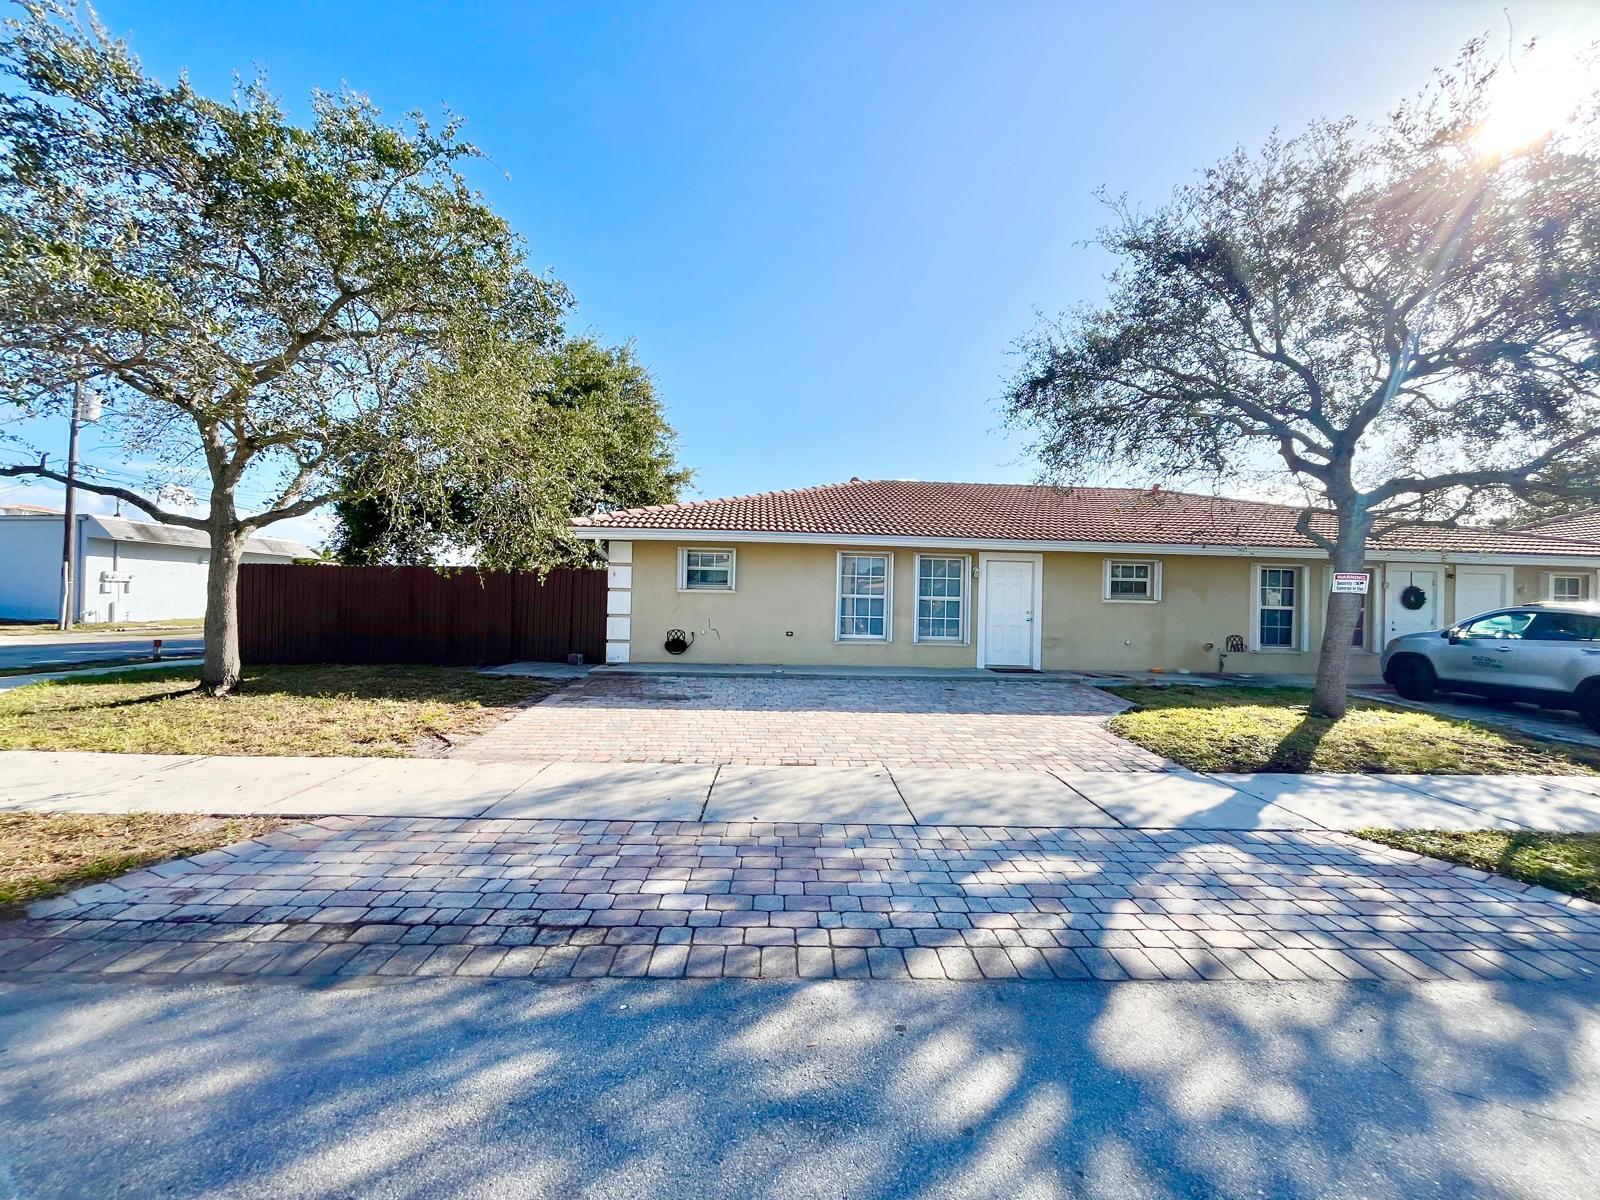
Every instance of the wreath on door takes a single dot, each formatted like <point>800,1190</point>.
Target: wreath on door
<point>1413,598</point>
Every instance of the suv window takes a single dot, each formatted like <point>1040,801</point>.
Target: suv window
<point>1499,625</point>
<point>1564,627</point>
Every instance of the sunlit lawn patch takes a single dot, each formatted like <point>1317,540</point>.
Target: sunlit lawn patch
<point>1566,862</point>
<point>45,854</point>
<point>316,710</point>
<point>1271,729</point>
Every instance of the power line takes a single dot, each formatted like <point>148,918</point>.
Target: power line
<point>136,479</point>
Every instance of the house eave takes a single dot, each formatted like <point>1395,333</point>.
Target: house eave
<point>600,533</point>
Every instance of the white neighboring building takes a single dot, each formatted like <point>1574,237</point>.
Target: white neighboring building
<point>126,570</point>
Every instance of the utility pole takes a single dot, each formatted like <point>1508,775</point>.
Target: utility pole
<point>85,410</point>
<point>69,531</point>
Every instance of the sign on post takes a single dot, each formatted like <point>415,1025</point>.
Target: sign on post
<point>1353,583</point>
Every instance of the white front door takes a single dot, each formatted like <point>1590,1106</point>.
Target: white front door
<point>1479,591</point>
<point>1008,616</point>
<point>1401,619</point>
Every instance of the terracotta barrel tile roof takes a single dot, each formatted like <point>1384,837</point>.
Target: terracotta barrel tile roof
<point>1041,513</point>
<point>1584,526</point>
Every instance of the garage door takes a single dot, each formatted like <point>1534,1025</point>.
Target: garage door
<point>1479,591</point>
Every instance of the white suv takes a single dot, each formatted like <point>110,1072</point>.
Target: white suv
<point>1545,653</point>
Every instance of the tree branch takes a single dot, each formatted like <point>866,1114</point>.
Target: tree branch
<point>106,489</point>
<point>1302,525</point>
<point>1503,477</point>
<point>299,508</point>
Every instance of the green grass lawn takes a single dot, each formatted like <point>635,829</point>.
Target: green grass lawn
<point>45,854</point>
<point>1270,729</point>
<point>1566,862</point>
<point>317,710</point>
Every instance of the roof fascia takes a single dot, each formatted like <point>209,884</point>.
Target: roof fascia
<point>607,533</point>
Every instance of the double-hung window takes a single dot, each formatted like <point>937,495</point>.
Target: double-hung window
<point>705,570</point>
<point>1358,635</point>
<point>864,584</point>
<point>942,598</point>
<point>1569,587</point>
<point>1132,579</point>
<point>1277,608</point>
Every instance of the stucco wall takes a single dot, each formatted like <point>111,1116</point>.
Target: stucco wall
<point>1203,600</point>
<point>782,611</point>
<point>165,582</point>
<point>30,568</point>
<point>1532,581</point>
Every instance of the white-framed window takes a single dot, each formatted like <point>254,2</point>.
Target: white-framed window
<point>1567,587</point>
<point>1276,608</point>
<point>1137,579</point>
<point>701,570</point>
<point>865,588</point>
<point>942,586</point>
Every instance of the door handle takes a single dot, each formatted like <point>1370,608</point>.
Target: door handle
<point>1504,649</point>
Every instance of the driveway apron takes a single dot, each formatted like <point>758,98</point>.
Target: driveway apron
<point>348,896</point>
<point>1001,724</point>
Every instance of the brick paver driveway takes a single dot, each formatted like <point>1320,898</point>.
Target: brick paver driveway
<point>358,897</point>
<point>1004,724</point>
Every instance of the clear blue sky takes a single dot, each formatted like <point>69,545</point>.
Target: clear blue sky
<point>824,225</point>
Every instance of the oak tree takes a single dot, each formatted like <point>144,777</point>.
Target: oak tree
<point>595,396</point>
<point>289,313</point>
<point>1399,319</point>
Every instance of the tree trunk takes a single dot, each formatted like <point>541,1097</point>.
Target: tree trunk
<point>1333,663</point>
<point>221,672</point>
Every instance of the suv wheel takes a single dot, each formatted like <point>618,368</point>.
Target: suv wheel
<point>1589,706</point>
<point>1414,679</point>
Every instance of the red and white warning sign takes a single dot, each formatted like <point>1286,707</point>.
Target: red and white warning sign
<point>1351,582</point>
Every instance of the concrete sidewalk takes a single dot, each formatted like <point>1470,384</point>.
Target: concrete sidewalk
<point>10,682</point>
<point>457,789</point>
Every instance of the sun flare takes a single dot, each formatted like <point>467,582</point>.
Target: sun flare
<point>1528,106</point>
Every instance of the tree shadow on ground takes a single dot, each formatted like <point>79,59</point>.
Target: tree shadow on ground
<point>1297,750</point>
<point>875,1089</point>
<point>495,1088</point>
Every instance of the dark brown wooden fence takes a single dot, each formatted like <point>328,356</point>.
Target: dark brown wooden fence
<point>325,614</point>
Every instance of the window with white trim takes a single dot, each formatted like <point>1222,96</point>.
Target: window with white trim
<point>1364,614</point>
<point>1358,635</point>
<point>863,610</point>
<point>1277,608</point>
<point>942,597</point>
<point>1569,587</point>
<point>705,570</point>
<point>1132,579</point>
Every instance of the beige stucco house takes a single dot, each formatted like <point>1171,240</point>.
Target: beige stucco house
<point>906,573</point>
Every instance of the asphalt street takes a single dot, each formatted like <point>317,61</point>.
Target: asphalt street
<point>32,652</point>
<point>842,1089</point>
